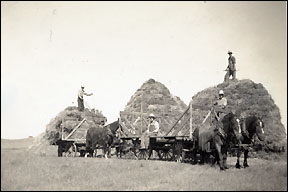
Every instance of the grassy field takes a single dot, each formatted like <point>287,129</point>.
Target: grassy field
<point>22,169</point>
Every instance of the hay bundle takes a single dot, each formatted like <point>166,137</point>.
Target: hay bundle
<point>68,119</point>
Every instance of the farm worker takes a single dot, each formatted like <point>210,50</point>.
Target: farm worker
<point>80,100</point>
<point>231,69</point>
<point>152,130</point>
<point>153,126</point>
<point>221,102</point>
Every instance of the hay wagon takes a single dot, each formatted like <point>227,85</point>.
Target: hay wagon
<point>175,145</point>
<point>72,144</point>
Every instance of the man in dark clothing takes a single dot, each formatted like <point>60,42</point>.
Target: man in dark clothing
<point>80,100</point>
<point>231,69</point>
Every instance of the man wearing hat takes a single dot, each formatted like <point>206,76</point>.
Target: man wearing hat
<point>152,130</point>
<point>221,103</point>
<point>231,69</point>
<point>80,100</point>
<point>153,126</point>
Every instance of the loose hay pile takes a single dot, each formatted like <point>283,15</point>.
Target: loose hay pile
<point>69,119</point>
<point>246,98</point>
<point>156,99</point>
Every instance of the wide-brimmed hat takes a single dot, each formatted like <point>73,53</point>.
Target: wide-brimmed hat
<point>151,116</point>
<point>229,52</point>
<point>221,92</point>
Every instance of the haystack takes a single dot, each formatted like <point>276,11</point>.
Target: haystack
<point>156,99</point>
<point>68,119</point>
<point>245,98</point>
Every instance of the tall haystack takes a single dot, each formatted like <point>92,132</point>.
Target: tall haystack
<point>156,99</point>
<point>245,98</point>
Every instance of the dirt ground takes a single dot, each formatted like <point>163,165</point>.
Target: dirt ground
<point>23,169</point>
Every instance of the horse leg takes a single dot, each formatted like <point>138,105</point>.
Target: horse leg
<point>109,151</point>
<point>218,148</point>
<point>245,164</point>
<point>94,151</point>
<point>225,161</point>
<point>202,157</point>
<point>224,152</point>
<point>116,148</point>
<point>105,152</point>
<point>216,157</point>
<point>238,158</point>
<point>194,153</point>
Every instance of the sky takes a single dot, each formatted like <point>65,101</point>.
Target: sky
<point>49,49</point>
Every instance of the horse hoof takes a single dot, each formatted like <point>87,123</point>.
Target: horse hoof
<point>245,165</point>
<point>222,169</point>
<point>237,166</point>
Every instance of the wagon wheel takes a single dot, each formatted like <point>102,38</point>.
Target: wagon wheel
<point>140,153</point>
<point>177,152</point>
<point>70,150</point>
<point>165,154</point>
<point>76,150</point>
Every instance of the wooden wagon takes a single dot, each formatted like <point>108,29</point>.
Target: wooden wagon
<point>71,146</point>
<point>173,145</point>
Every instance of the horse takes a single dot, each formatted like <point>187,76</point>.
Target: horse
<point>101,137</point>
<point>250,126</point>
<point>220,138</point>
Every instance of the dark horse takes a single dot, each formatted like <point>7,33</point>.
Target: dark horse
<point>101,137</point>
<point>249,127</point>
<point>220,137</point>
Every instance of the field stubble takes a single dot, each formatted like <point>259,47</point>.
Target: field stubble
<point>22,169</point>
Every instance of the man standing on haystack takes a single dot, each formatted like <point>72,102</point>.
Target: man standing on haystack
<point>80,99</point>
<point>231,69</point>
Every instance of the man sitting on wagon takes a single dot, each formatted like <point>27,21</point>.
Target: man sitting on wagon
<point>152,130</point>
<point>218,112</point>
<point>153,125</point>
<point>221,103</point>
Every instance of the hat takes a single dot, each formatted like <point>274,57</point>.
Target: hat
<point>229,52</point>
<point>221,92</point>
<point>152,115</point>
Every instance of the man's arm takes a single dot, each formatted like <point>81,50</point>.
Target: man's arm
<point>88,94</point>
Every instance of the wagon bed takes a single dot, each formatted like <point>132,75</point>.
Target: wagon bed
<point>70,146</point>
<point>169,146</point>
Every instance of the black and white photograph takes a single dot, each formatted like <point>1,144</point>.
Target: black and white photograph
<point>143,96</point>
